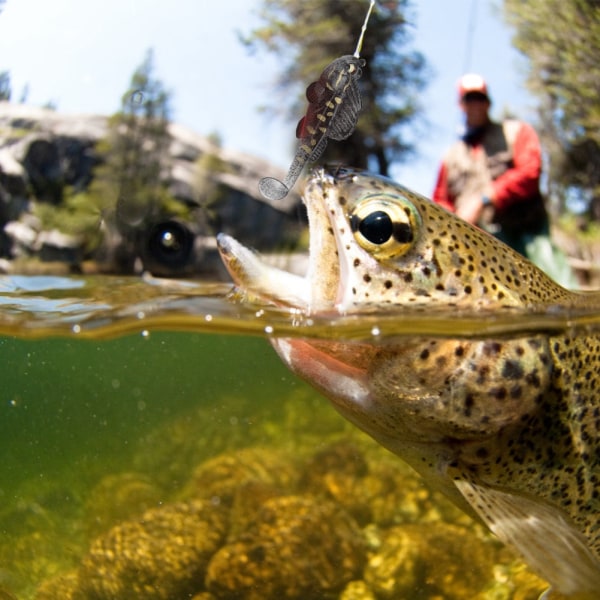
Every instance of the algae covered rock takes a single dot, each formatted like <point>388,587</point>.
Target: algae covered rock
<point>118,497</point>
<point>296,548</point>
<point>161,556</point>
<point>65,587</point>
<point>338,471</point>
<point>357,590</point>
<point>220,478</point>
<point>438,559</point>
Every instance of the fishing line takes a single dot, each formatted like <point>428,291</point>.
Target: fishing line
<point>363,30</point>
<point>470,34</point>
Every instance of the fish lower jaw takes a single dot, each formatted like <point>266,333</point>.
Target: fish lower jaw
<point>250,273</point>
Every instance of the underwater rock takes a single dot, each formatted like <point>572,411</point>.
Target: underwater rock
<point>120,497</point>
<point>45,155</point>
<point>439,559</point>
<point>371,488</point>
<point>171,450</point>
<point>247,501</point>
<point>357,590</point>
<point>339,472</point>
<point>342,457</point>
<point>65,587</point>
<point>174,449</point>
<point>296,548</point>
<point>5,594</point>
<point>514,580</point>
<point>219,478</point>
<point>161,556</point>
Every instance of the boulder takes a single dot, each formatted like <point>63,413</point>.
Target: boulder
<point>43,151</point>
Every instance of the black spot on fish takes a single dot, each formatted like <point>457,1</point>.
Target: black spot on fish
<point>533,379</point>
<point>469,403</point>
<point>516,392</point>
<point>499,393</point>
<point>512,369</point>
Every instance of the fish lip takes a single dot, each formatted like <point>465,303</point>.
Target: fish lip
<point>325,275</point>
<point>324,190</point>
<point>320,290</point>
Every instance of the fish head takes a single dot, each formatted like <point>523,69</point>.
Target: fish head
<point>374,244</point>
<point>374,248</point>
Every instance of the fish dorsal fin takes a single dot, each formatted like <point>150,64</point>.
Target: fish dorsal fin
<point>540,532</point>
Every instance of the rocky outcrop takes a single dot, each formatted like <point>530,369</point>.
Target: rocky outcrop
<point>43,153</point>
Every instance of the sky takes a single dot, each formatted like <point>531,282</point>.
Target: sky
<point>81,55</point>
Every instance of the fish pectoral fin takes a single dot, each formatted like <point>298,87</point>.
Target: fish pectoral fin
<point>249,271</point>
<point>540,532</point>
<point>325,371</point>
<point>551,594</point>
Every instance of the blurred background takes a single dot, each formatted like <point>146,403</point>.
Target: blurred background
<point>130,133</point>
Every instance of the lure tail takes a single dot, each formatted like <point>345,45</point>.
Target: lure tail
<point>273,189</point>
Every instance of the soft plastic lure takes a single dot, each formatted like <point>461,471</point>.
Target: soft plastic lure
<point>334,103</point>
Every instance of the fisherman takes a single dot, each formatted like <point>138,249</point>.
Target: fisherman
<point>490,177</point>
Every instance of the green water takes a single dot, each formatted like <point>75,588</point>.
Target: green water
<point>119,395</point>
<point>64,398</point>
<point>73,411</point>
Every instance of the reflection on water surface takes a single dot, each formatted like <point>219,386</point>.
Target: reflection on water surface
<point>101,307</point>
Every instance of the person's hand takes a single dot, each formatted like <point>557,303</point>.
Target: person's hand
<point>470,208</point>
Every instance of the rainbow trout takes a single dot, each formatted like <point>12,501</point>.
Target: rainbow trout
<point>507,428</point>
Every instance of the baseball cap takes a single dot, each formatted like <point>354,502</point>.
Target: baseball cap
<point>472,83</point>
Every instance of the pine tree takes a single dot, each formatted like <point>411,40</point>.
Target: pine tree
<point>561,40</point>
<point>5,89</point>
<point>136,150</point>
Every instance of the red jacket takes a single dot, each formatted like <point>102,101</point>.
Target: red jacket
<point>521,182</point>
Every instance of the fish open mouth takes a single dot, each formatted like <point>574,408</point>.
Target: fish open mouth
<point>321,287</point>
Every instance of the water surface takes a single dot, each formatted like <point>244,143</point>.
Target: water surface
<point>105,307</point>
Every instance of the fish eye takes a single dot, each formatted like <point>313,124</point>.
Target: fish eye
<point>385,225</point>
<point>376,227</point>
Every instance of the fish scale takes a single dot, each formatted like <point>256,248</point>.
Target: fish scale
<point>507,427</point>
